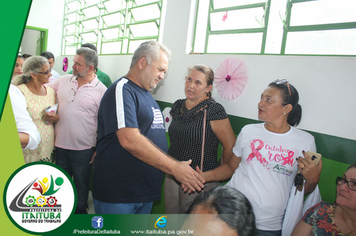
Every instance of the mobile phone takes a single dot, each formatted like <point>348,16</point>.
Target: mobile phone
<point>315,157</point>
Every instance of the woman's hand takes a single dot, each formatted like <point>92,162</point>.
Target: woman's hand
<point>310,171</point>
<point>92,158</point>
<point>201,173</point>
<point>50,117</point>
<point>197,169</point>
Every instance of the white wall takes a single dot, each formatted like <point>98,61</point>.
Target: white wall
<point>326,85</point>
<point>48,14</point>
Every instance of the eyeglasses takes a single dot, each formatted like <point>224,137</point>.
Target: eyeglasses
<point>282,81</point>
<point>46,73</point>
<point>350,184</point>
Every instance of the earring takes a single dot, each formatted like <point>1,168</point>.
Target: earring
<point>284,113</point>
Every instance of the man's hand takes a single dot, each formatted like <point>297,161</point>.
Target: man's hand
<point>189,178</point>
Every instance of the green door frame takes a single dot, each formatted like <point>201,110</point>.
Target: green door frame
<point>44,37</point>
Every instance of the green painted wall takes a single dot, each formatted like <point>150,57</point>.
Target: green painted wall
<point>338,154</point>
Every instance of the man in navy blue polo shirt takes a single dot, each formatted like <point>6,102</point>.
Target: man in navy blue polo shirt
<point>132,145</point>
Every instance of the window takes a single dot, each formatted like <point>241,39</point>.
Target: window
<point>114,26</point>
<point>294,27</point>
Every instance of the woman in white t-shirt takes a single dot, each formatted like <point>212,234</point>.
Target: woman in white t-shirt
<point>267,156</point>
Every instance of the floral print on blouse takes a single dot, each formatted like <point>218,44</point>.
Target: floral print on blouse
<point>321,218</point>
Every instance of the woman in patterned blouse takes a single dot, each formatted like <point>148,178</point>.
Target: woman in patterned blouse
<point>36,72</point>
<point>186,134</point>
<point>333,218</point>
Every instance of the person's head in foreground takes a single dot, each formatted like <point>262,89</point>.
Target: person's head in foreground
<point>222,211</point>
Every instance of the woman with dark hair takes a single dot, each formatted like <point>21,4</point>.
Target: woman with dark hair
<point>263,165</point>
<point>36,72</point>
<point>16,75</point>
<point>333,218</point>
<point>229,210</point>
<point>199,124</point>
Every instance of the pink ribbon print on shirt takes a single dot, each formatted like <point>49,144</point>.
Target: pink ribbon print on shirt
<point>275,154</point>
<point>255,152</point>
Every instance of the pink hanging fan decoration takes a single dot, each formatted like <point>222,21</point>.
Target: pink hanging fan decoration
<point>65,64</point>
<point>230,78</point>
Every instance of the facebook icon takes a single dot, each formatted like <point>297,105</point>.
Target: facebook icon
<point>97,222</point>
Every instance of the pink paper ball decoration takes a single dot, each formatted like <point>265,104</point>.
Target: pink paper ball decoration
<point>230,78</point>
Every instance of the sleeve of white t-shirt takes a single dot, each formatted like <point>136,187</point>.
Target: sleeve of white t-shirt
<point>24,122</point>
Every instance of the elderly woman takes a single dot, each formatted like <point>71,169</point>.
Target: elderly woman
<point>263,166</point>
<point>199,124</point>
<point>36,72</point>
<point>333,218</point>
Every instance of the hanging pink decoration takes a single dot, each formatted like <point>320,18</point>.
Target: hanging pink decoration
<point>65,64</point>
<point>224,17</point>
<point>230,78</point>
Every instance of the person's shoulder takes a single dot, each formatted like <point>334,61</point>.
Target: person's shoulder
<point>303,134</point>
<point>15,92</point>
<point>321,208</point>
<point>256,126</point>
<point>13,88</point>
<point>122,84</point>
<point>60,80</point>
<point>21,87</point>
<point>324,204</point>
<point>50,89</point>
<point>63,77</point>
<point>179,102</point>
<point>214,104</point>
<point>101,86</point>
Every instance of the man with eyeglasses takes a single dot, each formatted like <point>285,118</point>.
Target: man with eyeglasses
<point>78,96</point>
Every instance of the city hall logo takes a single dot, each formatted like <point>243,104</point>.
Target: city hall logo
<point>39,197</point>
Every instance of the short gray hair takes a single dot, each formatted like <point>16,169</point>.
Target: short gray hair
<point>90,56</point>
<point>150,50</point>
<point>32,65</point>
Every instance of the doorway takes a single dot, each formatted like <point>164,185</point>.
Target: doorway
<point>34,41</point>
